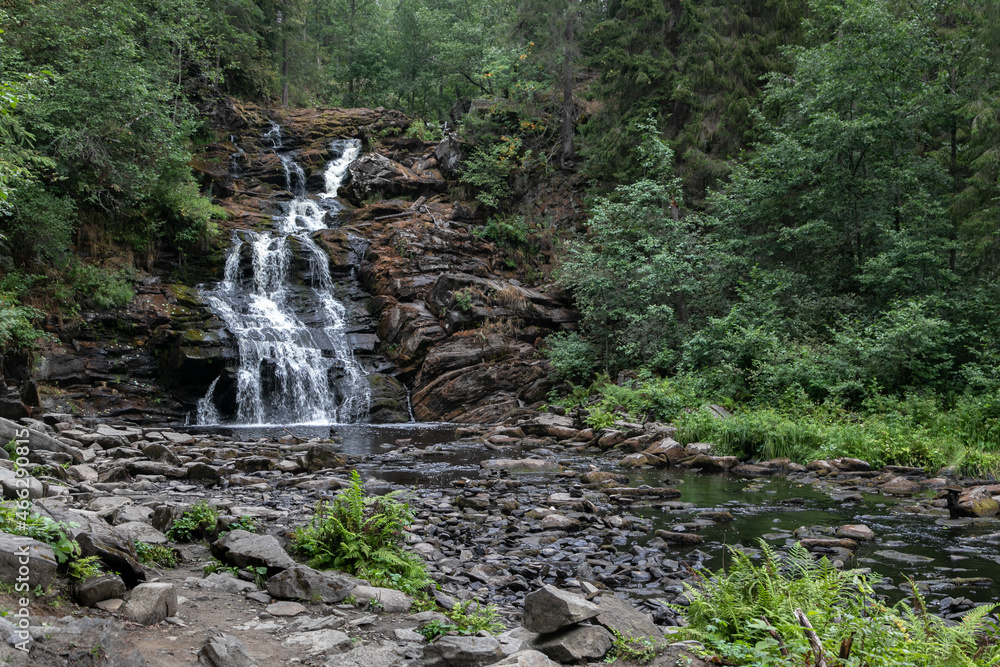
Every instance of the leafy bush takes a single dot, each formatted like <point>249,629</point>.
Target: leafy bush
<point>571,355</point>
<point>425,131</point>
<point>465,622</point>
<point>748,616</point>
<point>31,524</point>
<point>363,535</point>
<point>490,167</point>
<point>82,569</point>
<point>637,649</point>
<point>101,287</point>
<point>199,521</point>
<point>155,554</point>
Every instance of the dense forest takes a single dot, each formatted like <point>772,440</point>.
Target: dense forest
<point>792,204</point>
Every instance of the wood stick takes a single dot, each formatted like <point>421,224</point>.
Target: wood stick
<point>810,633</point>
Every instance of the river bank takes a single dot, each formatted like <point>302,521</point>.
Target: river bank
<point>501,511</point>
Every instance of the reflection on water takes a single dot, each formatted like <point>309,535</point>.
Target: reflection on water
<point>429,456</point>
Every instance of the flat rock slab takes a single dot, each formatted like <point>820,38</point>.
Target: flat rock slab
<point>245,549</point>
<point>139,531</point>
<point>285,609</point>
<point>384,654</point>
<point>391,601</point>
<point>523,465</point>
<point>451,651</point>
<point>320,641</point>
<point>900,557</point>
<point>858,532</point>
<point>305,583</point>
<point>549,609</point>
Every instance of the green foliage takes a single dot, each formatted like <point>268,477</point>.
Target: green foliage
<point>17,323</point>
<point>640,271</point>
<point>31,524</point>
<point>217,566</point>
<point>424,130</point>
<point>247,523</point>
<point>465,621</point>
<point>507,230</point>
<point>637,649</point>
<point>156,554</point>
<point>483,618</point>
<point>198,521</point>
<point>490,167</point>
<point>571,355</point>
<point>82,569</point>
<point>918,430</point>
<point>363,535</point>
<point>463,299</point>
<point>746,616</point>
<point>101,287</point>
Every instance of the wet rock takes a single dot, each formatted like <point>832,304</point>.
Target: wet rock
<point>225,651</point>
<point>599,477</point>
<point>319,457</point>
<point>858,532</point>
<point>979,501</point>
<point>572,645</point>
<point>710,463</point>
<point>388,400</point>
<point>202,473</point>
<point>451,651</point>
<point>680,539</point>
<point>151,603</point>
<point>522,465</point>
<point>41,563</point>
<point>304,583</point>
<point>717,516</point>
<point>815,543</point>
<point>100,588</point>
<point>698,448</point>
<point>900,486</point>
<point>852,465</point>
<point>900,557</point>
<point>374,174</point>
<point>245,549</point>
<point>549,609</point>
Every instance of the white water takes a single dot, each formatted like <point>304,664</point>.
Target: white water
<point>295,363</point>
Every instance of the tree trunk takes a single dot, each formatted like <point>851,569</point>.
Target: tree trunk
<point>566,150</point>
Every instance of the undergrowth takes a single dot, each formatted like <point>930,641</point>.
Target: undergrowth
<point>748,616</point>
<point>918,429</point>
<point>197,522</point>
<point>363,535</point>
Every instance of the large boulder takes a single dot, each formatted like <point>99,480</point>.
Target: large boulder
<point>304,583</point>
<point>245,549</point>
<point>377,175</point>
<point>116,553</point>
<point>452,651</point>
<point>575,644</point>
<point>151,603</point>
<point>225,651</point>
<point>24,556</point>
<point>549,609</point>
<point>619,616</point>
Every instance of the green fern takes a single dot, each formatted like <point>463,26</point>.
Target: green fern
<point>363,535</point>
<point>746,616</point>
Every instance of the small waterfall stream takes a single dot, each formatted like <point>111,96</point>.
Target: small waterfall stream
<point>277,299</point>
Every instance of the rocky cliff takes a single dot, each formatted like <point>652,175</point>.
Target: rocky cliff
<point>433,308</point>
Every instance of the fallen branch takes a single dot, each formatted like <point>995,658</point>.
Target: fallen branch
<point>814,642</point>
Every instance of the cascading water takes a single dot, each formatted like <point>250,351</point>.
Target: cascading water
<point>295,363</point>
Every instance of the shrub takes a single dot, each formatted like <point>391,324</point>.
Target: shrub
<point>363,535</point>
<point>31,524</point>
<point>82,569</point>
<point>490,167</point>
<point>752,616</point>
<point>571,355</point>
<point>155,554</point>
<point>199,521</point>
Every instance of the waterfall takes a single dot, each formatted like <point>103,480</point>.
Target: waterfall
<point>277,299</point>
